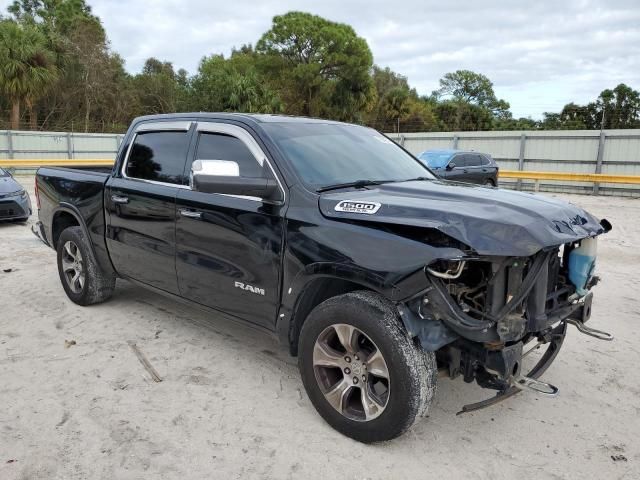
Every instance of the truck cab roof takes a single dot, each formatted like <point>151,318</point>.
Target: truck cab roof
<point>247,117</point>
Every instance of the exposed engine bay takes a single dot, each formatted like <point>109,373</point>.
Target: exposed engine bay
<point>483,314</point>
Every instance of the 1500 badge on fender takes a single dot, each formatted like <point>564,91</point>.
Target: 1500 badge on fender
<point>357,207</point>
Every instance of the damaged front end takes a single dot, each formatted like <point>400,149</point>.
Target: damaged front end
<point>483,315</point>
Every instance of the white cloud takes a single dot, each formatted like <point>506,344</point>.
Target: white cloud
<point>540,55</point>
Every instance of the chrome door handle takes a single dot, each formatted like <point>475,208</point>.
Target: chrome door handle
<point>190,213</point>
<point>119,199</point>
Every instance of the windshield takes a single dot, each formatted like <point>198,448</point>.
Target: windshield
<point>327,154</point>
<point>3,173</point>
<point>436,159</point>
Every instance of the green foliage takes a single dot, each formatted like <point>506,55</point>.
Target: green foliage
<point>470,102</point>
<point>56,62</point>
<point>397,104</point>
<point>616,108</point>
<point>26,66</point>
<point>232,85</point>
<point>458,115</point>
<point>322,67</point>
<point>159,89</point>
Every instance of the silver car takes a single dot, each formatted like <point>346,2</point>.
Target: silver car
<point>15,203</point>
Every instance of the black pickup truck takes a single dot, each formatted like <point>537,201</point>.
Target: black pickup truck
<point>377,275</point>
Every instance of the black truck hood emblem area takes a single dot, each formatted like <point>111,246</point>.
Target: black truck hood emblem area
<point>489,220</point>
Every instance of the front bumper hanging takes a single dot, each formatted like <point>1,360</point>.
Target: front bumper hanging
<point>530,381</point>
<point>556,340</point>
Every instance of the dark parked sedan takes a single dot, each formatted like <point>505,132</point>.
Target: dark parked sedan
<point>14,199</point>
<point>462,166</point>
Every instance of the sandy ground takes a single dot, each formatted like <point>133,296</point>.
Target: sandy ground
<point>231,405</point>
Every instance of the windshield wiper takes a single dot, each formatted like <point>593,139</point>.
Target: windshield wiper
<point>416,179</point>
<point>355,184</point>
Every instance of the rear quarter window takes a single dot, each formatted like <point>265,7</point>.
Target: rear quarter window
<point>158,156</point>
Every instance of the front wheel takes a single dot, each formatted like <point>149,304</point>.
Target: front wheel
<point>82,278</point>
<point>362,372</point>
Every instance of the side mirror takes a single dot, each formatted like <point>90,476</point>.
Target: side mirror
<point>223,176</point>
<point>451,165</point>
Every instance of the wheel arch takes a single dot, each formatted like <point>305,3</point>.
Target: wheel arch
<point>66,216</point>
<point>314,292</point>
<point>62,219</point>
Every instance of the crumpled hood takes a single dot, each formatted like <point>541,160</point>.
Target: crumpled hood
<point>491,221</point>
<point>8,185</point>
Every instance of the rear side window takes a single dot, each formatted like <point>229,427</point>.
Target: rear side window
<point>218,146</point>
<point>485,160</point>
<point>158,156</point>
<point>472,160</point>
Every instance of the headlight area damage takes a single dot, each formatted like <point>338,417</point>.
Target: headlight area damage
<point>483,315</point>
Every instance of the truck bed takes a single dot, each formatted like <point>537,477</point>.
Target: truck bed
<point>78,195</point>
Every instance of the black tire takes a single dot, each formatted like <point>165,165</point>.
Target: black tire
<point>412,372</point>
<point>97,285</point>
<point>489,183</point>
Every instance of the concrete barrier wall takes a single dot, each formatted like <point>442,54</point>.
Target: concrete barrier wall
<point>57,145</point>
<point>614,152</point>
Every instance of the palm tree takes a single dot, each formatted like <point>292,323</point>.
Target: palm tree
<point>27,69</point>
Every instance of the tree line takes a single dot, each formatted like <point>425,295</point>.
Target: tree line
<point>58,72</point>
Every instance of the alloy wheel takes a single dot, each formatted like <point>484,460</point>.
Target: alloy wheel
<point>73,267</point>
<point>351,372</point>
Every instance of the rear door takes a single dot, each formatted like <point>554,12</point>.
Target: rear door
<point>489,169</point>
<point>141,204</point>
<point>229,248</point>
<point>473,165</point>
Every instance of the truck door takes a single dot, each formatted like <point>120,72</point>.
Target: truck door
<point>229,248</point>
<point>141,204</point>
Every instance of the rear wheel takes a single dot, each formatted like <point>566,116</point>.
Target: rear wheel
<point>489,183</point>
<point>82,278</point>
<point>362,372</point>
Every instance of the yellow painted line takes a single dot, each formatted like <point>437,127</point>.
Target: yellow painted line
<point>55,162</point>
<point>571,177</point>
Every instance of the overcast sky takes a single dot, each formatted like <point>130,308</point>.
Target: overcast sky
<point>539,54</point>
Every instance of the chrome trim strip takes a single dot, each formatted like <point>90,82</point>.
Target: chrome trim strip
<point>163,126</point>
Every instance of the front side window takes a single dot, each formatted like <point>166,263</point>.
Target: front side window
<point>219,146</point>
<point>158,156</point>
<point>459,160</point>
<point>330,153</point>
<point>435,159</point>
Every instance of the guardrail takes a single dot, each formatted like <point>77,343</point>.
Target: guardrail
<point>595,178</point>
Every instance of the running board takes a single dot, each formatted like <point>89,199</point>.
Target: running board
<point>592,332</point>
